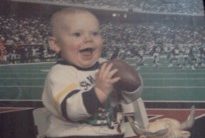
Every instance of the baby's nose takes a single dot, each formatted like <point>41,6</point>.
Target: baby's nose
<point>88,38</point>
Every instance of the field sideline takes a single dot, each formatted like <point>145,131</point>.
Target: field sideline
<point>25,82</point>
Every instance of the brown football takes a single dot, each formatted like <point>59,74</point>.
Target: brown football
<point>129,77</point>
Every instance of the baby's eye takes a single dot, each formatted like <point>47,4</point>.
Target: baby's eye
<point>76,34</point>
<point>95,33</point>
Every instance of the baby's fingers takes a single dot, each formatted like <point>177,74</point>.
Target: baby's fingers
<point>105,69</point>
<point>112,73</point>
<point>114,80</point>
<point>108,68</point>
<point>102,68</point>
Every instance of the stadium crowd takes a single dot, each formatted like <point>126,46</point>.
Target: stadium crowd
<point>23,30</point>
<point>25,40</point>
<point>191,7</point>
<point>182,45</point>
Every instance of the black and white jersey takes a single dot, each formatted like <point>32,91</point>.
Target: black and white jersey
<point>69,96</point>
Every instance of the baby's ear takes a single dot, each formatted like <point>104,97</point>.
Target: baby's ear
<point>52,41</point>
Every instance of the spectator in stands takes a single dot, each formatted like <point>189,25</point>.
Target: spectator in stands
<point>3,51</point>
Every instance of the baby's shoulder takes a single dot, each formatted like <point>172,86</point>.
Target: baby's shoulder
<point>59,70</point>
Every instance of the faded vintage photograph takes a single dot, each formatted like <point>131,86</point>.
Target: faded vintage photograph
<point>102,69</point>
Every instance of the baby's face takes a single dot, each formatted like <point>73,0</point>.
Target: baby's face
<point>79,39</point>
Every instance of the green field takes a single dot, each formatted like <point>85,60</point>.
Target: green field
<point>25,82</point>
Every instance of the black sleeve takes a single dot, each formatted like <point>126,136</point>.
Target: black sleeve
<point>91,101</point>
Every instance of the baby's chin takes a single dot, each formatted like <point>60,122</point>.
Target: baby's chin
<point>86,63</point>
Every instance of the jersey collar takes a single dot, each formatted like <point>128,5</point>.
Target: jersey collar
<point>94,67</point>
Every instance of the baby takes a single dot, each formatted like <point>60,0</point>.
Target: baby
<point>76,91</point>
<point>78,86</point>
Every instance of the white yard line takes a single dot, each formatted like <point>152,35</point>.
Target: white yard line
<point>21,73</point>
<point>22,86</point>
<point>145,78</point>
<point>187,79</point>
<point>174,73</point>
<point>152,101</point>
<point>173,101</point>
<point>25,69</point>
<point>175,109</point>
<point>17,78</point>
<point>20,100</point>
<point>44,70</point>
<point>177,87</point>
<point>146,87</point>
<point>25,64</point>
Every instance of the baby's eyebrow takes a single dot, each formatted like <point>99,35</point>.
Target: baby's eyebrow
<point>95,30</point>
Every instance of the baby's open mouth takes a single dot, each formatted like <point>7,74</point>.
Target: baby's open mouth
<point>87,53</point>
<point>87,50</point>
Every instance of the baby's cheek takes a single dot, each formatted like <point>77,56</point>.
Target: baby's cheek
<point>99,42</point>
<point>77,45</point>
<point>74,48</point>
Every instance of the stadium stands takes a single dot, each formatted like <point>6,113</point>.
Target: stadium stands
<point>29,34</point>
<point>189,7</point>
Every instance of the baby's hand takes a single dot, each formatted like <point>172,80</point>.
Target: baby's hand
<point>104,81</point>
